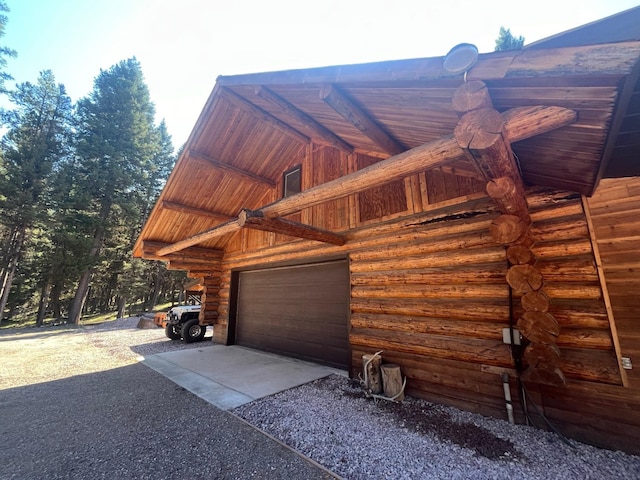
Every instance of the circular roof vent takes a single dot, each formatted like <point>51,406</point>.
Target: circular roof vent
<point>460,58</point>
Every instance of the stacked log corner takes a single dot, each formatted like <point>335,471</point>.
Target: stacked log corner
<point>480,133</point>
<point>210,300</point>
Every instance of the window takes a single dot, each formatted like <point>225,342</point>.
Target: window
<point>292,181</point>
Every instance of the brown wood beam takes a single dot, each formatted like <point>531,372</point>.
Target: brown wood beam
<point>318,132</point>
<point>479,134</point>
<point>353,114</point>
<point>190,265</point>
<point>199,273</point>
<point>230,169</point>
<point>462,170</point>
<point>431,155</point>
<point>197,254</point>
<point>257,221</point>
<point>509,199</point>
<point>231,226</point>
<point>244,104</point>
<point>200,212</point>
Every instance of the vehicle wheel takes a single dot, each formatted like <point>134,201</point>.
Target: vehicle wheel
<point>172,332</point>
<point>192,331</point>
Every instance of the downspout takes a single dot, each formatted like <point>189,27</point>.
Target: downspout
<point>507,397</point>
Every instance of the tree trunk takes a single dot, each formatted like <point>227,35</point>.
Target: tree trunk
<point>156,291</point>
<point>77,304</point>
<point>75,310</point>
<point>122,301</point>
<point>14,252</point>
<point>44,301</point>
<point>56,291</point>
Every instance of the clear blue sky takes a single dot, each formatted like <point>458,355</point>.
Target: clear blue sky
<point>183,45</point>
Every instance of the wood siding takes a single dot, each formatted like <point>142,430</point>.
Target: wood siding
<point>428,288</point>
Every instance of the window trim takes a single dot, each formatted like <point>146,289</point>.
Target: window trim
<point>286,175</point>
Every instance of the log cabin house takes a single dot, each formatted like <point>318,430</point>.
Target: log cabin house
<point>436,209</point>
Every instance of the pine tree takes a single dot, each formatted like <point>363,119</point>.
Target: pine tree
<point>5,52</point>
<point>506,41</point>
<point>117,143</point>
<point>35,143</point>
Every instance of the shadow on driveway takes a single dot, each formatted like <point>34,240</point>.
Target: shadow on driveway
<point>131,422</point>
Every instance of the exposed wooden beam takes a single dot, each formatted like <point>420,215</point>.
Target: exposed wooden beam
<point>509,199</point>
<point>479,134</point>
<point>190,265</point>
<point>198,254</point>
<point>244,104</point>
<point>200,212</point>
<point>353,114</point>
<point>257,221</point>
<point>462,169</point>
<point>318,132</point>
<point>230,169</point>
<point>520,120</point>
<point>431,155</point>
<point>228,227</point>
<point>199,273</point>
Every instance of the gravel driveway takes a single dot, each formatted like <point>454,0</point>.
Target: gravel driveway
<point>75,403</point>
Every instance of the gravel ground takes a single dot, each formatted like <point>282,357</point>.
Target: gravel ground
<point>75,403</point>
<point>117,422</point>
<point>330,421</point>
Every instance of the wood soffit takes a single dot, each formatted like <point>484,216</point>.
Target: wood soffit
<point>244,175</point>
<point>317,131</point>
<point>386,108</point>
<point>518,124</point>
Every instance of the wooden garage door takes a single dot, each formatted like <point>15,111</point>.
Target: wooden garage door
<point>301,311</point>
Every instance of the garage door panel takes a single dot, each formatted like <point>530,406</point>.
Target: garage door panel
<point>300,311</point>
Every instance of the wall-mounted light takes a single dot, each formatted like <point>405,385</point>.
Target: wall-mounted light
<point>460,59</point>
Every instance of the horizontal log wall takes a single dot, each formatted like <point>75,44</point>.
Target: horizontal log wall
<point>566,261</point>
<point>608,415</point>
<point>429,289</point>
